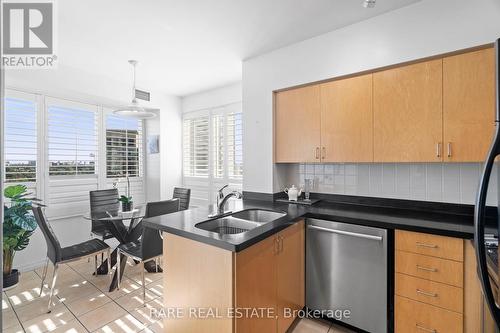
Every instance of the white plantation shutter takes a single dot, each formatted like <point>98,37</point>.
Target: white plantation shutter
<point>212,151</point>
<point>218,145</point>
<point>124,156</point>
<point>124,141</point>
<point>235,145</point>
<point>20,138</point>
<point>195,146</point>
<point>71,156</point>
<point>72,139</point>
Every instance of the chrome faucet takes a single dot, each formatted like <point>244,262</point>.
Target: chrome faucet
<point>221,200</point>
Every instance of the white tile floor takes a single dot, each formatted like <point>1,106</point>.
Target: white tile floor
<point>83,304</point>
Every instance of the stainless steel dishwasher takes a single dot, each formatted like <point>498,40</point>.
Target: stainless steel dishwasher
<point>346,269</point>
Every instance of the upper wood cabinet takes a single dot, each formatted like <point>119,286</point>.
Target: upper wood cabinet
<point>297,125</point>
<point>347,120</point>
<point>407,107</point>
<point>468,105</point>
<point>440,110</point>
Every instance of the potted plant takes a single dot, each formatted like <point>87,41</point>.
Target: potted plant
<point>18,226</point>
<point>126,203</point>
<point>126,200</point>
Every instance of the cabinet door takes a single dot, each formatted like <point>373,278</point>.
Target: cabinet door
<point>347,120</point>
<point>290,274</point>
<point>468,105</point>
<point>407,107</point>
<point>297,125</point>
<point>255,286</point>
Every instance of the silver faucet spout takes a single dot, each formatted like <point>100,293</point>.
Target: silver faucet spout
<point>221,200</point>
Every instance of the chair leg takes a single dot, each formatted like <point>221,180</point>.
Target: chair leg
<point>54,278</point>
<point>118,269</point>
<point>44,275</point>
<point>109,261</point>
<point>143,285</point>
<point>95,265</point>
<point>156,264</point>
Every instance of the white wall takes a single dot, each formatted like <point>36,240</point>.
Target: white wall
<point>163,171</point>
<point>424,29</point>
<point>213,98</point>
<point>170,146</point>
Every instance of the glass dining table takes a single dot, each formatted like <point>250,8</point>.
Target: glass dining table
<point>123,233</point>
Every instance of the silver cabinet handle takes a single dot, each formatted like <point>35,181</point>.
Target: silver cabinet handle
<point>428,269</point>
<point>449,149</point>
<point>438,149</point>
<point>276,245</point>
<point>432,246</point>
<point>161,234</point>
<point>280,241</point>
<point>425,329</point>
<point>317,153</point>
<point>346,233</point>
<point>426,293</point>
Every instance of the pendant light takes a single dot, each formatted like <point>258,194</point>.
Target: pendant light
<point>134,110</point>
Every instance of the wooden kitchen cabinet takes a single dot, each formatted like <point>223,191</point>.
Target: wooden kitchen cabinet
<point>444,295</point>
<point>270,274</point>
<point>347,120</point>
<point>290,274</point>
<point>297,125</point>
<point>468,105</point>
<point>255,286</point>
<point>407,113</point>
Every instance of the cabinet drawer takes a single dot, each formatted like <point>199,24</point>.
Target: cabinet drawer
<point>430,245</point>
<point>430,268</point>
<point>417,317</point>
<point>434,293</point>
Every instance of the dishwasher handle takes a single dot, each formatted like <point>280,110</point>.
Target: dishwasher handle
<point>347,233</point>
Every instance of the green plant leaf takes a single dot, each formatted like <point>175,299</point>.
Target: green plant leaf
<point>14,191</point>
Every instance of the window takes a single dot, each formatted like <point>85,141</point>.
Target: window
<point>72,139</point>
<point>195,146</point>
<point>235,145</point>
<point>123,147</point>
<point>20,138</point>
<point>212,151</point>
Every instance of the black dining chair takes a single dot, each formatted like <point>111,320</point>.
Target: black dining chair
<point>102,202</point>
<point>60,255</point>
<point>184,195</point>
<point>150,245</point>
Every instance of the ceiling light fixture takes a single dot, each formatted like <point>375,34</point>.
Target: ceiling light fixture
<point>134,110</point>
<point>369,3</point>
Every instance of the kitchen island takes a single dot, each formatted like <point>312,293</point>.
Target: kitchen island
<point>254,281</point>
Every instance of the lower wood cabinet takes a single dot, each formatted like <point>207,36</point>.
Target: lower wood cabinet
<point>436,286</point>
<point>247,291</point>
<point>270,274</point>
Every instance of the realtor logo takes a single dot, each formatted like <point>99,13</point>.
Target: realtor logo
<point>28,34</point>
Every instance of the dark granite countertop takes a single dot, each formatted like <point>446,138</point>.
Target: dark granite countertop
<point>441,222</point>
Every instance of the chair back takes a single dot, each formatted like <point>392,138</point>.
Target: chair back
<point>102,201</point>
<point>54,252</point>
<point>152,244</point>
<point>184,195</point>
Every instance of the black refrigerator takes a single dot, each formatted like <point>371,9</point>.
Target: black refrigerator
<point>487,213</point>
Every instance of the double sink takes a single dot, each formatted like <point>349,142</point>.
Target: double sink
<point>240,222</point>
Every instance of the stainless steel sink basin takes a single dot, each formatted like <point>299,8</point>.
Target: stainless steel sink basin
<point>258,215</point>
<point>227,226</point>
<point>240,222</point>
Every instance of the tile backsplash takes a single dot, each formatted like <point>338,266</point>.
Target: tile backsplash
<point>456,183</point>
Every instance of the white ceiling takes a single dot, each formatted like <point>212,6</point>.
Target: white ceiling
<point>186,46</point>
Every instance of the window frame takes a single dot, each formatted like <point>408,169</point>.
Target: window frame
<point>212,183</point>
<point>52,101</point>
